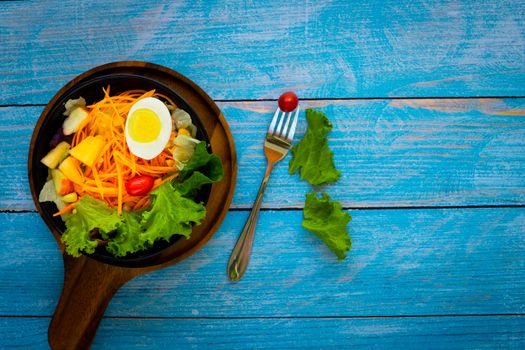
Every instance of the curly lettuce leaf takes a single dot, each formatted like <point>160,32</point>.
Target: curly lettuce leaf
<point>203,168</point>
<point>326,219</point>
<point>311,156</point>
<point>172,210</point>
<point>128,238</point>
<point>90,214</point>
<point>170,213</point>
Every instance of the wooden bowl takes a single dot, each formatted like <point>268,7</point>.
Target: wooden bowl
<point>91,280</point>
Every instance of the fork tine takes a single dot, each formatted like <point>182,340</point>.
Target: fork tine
<point>290,135</point>
<point>284,131</point>
<point>278,130</point>
<point>271,128</point>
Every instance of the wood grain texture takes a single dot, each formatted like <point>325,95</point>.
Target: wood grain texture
<point>253,50</point>
<point>403,262</point>
<point>445,278</point>
<point>88,288</point>
<point>474,332</point>
<point>392,153</point>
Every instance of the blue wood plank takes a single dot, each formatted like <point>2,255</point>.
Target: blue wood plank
<point>403,262</point>
<point>391,153</point>
<point>252,50</point>
<point>476,332</point>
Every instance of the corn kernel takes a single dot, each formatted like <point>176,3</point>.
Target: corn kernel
<point>183,131</point>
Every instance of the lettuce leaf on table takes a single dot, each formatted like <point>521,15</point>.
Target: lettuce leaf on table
<point>326,219</point>
<point>312,156</point>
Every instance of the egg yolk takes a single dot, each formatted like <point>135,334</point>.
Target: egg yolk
<point>144,125</point>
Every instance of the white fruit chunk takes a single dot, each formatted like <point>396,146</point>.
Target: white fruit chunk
<point>75,119</point>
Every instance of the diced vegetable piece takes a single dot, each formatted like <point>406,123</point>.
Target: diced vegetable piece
<point>57,138</point>
<point>75,119</point>
<point>183,149</point>
<point>62,184</point>
<point>193,130</point>
<point>181,118</point>
<point>70,197</point>
<point>74,103</point>
<point>88,150</point>
<point>185,141</point>
<point>182,154</point>
<point>48,192</point>
<point>71,169</point>
<point>56,155</point>
<point>184,132</point>
<point>61,205</point>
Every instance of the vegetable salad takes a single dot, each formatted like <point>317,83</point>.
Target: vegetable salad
<point>125,172</point>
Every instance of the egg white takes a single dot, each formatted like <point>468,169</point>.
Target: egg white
<point>149,150</point>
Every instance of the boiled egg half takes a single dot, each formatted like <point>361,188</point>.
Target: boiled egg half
<point>148,128</point>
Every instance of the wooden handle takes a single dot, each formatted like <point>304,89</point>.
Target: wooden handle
<point>88,287</point>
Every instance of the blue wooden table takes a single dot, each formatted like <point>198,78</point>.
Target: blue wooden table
<point>427,99</point>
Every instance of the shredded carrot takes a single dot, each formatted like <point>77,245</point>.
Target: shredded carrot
<point>116,164</point>
<point>119,184</point>
<point>65,210</point>
<point>141,203</point>
<point>170,177</point>
<point>98,182</point>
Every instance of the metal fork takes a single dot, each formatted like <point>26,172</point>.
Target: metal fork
<point>277,143</point>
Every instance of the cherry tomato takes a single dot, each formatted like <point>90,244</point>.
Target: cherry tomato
<point>139,185</point>
<point>288,101</point>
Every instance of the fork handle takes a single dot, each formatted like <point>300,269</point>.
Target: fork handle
<point>242,251</point>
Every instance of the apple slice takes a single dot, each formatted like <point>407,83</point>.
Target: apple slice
<point>75,119</point>
<point>56,155</point>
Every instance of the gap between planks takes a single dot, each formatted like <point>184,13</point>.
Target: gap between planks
<point>494,206</point>
<point>335,99</point>
<point>282,317</point>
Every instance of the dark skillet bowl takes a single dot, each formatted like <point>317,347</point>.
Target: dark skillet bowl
<point>89,86</point>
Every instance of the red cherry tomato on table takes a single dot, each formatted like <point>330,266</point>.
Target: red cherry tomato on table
<point>139,185</point>
<point>288,101</point>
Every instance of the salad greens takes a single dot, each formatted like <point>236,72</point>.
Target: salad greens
<point>173,210</point>
<point>90,214</point>
<point>170,213</point>
<point>311,156</point>
<point>203,168</point>
<point>128,238</point>
<point>326,219</point>
<point>314,160</point>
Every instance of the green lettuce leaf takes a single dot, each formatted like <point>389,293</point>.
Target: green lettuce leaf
<point>170,213</point>
<point>90,214</point>
<point>203,168</point>
<point>326,219</point>
<point>128,238</point>
<point>311,156</point>
<point>172,210</point>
